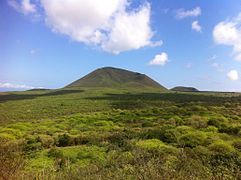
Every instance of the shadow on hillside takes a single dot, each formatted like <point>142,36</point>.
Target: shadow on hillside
<point>12,96</point>
<point>129,100</point>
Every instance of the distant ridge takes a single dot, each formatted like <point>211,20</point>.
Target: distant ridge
<point>115,77</point>
<point>184,89</point>
<point>39,89</point>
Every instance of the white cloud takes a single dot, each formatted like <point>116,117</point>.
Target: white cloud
<point>16,86</point>
<point>238,57</point>
<point>233,75</point>
<point>24,6</point>
<point>106,24</point>
<point>160,59</point>
<point>182,13</point>
<point>229,33</point>
<point>196,26</point>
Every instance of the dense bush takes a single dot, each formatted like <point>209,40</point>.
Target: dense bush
<point>32,143</point>
<point>237,144</point>
<point>197,122</point>
<point>191,139</point>
<point>119,139</point>
<point>55,153</point>
<point>221,147</point>
<point>214,122</point>
<point>63,140</point>
<point>166,134</point>
<point>233,130</point>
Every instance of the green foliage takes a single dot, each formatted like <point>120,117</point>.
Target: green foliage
<point>221,147</point>
<point>184,89</point>
<point>150,144</point>
<point>32,143</point>
<point>123,133</point>
<point>12,159</point>
<point>233,130</point>
<point>63,140</point>
<point>55,153</point>
<point>197,122</point>
<point>214,122</point>
<point>114,77</point>
<point>237,144</point>
<point>192,139</point>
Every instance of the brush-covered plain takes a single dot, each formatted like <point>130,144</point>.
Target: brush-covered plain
<point>104,133</point>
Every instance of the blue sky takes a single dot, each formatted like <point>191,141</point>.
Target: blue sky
<point>50,43</point>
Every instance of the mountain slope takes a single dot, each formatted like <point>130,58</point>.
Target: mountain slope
<point>115,77</point>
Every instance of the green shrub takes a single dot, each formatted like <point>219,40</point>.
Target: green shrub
<point>197,108</point>
<point>216,121</point>
<point>166,133</point>
<point>233,130</point>
<point>150,144</point>
<point>147,124</point>
<point>237,144</point>
<point>197,122</point>
<point>221,147</point>
<point>152,134</point>
<point>119,159</point>
<point>12,132</point>
<point>192,139</point>
<point>118,138</point>
<point>63,140</point>
<point>170,135</point>
<point>55,153</point>
<point>7,136</point>
<point>211,129</point>
<point>32,143</point>
<point>178,120</point>
<point>46,141</point>
<point>184,129</point>
<point>80,140</point>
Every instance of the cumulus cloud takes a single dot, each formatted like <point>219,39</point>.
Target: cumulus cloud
<point>182,13</point>
<point>24,6</point>
<point>16,86</point>
<point>109,24</point>
<point>106,24</point>
<point>160,59</point>
<point>229,33</point>
<point>196,26</point>
<point>238,57</point>
<point>233,75</point>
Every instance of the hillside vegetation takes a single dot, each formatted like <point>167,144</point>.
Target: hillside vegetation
<point>108,133</point>
<point>115,77</point>
<point>184,89</point>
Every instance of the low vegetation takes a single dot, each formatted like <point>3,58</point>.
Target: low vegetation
<point>104,133</point>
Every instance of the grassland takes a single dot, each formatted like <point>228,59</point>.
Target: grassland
<point>104,133</point>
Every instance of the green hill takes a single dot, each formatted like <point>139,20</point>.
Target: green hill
<point>184,89</point>
<point>115,77</point>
